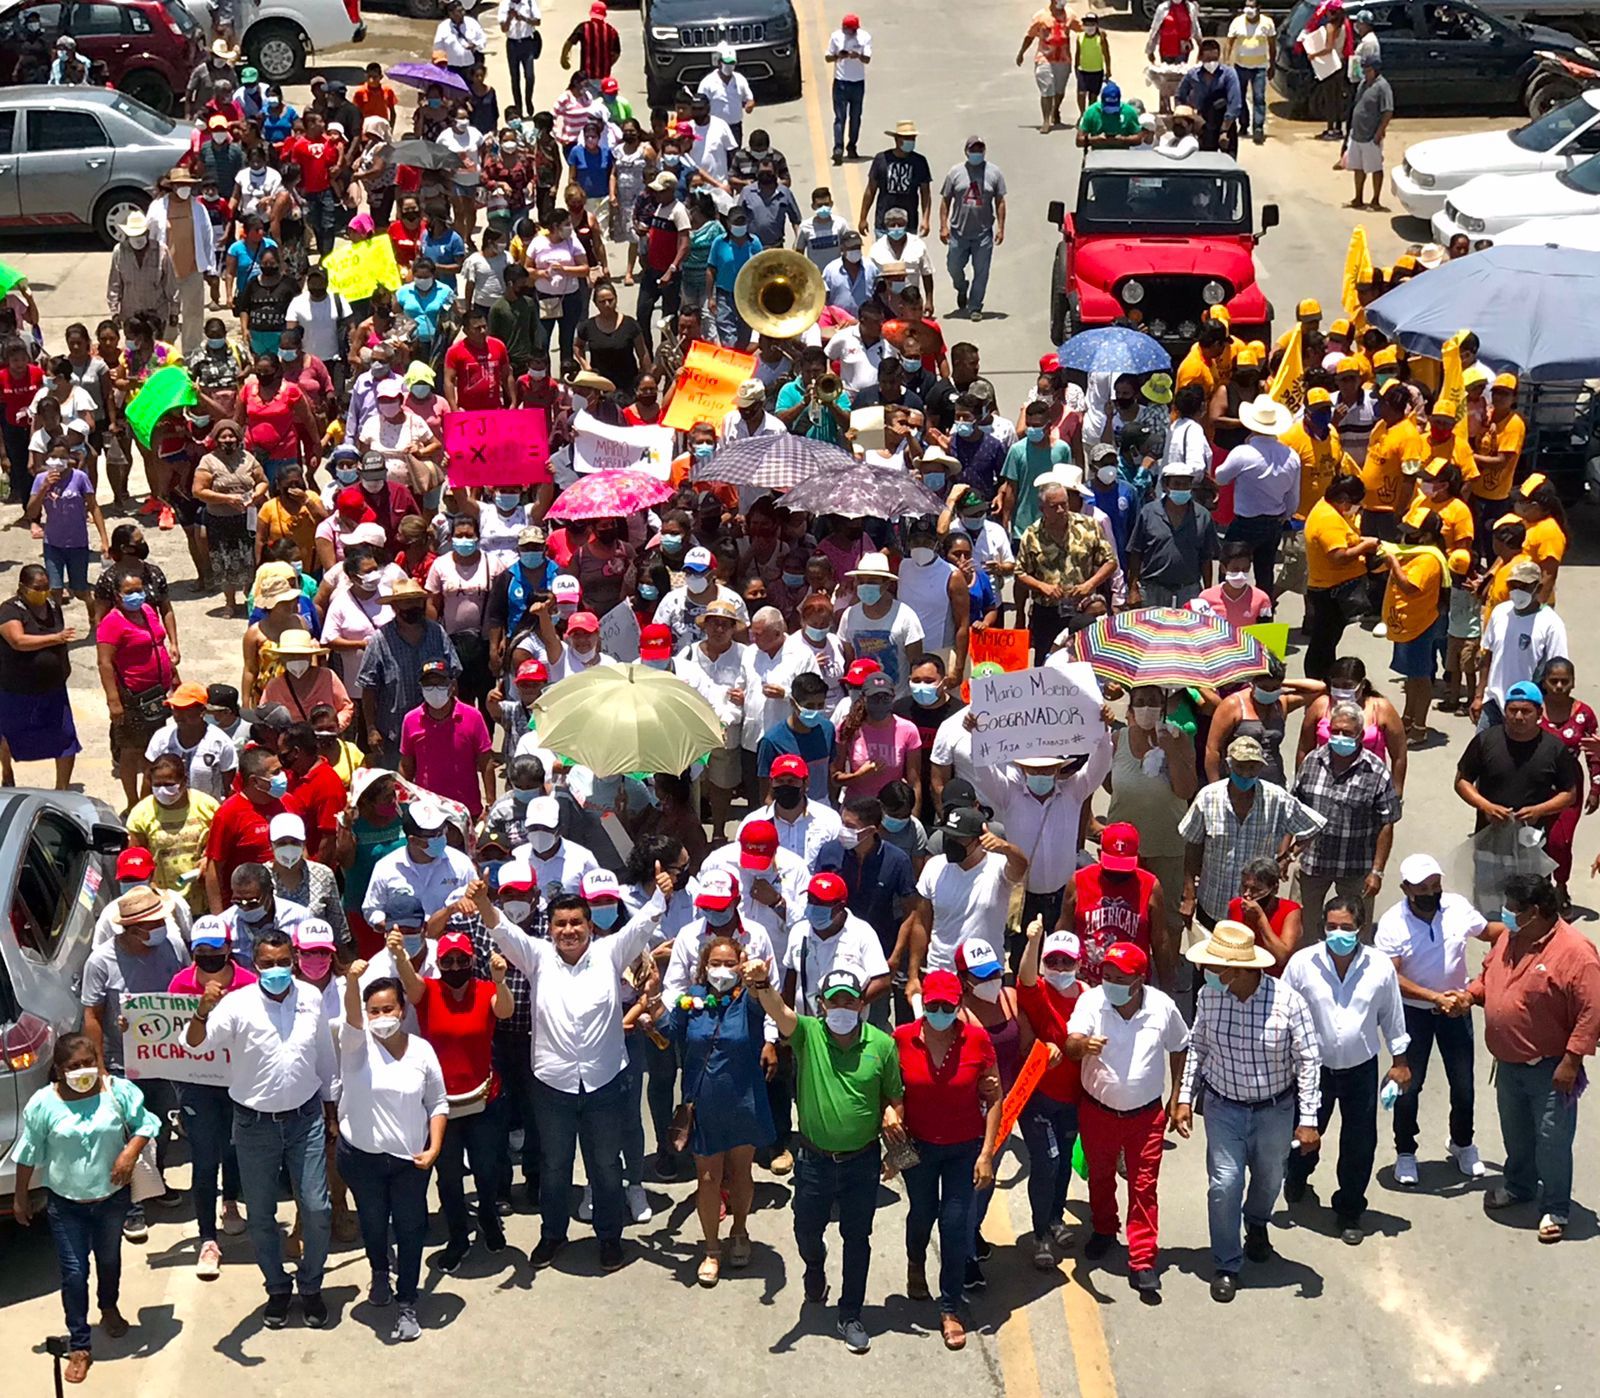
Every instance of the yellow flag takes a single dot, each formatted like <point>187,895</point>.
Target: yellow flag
<point>1357,268</point>
<point>356,269</point>
<point>1286,382</point>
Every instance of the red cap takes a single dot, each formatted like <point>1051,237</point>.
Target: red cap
<point>856,675</point>
<point>353,498</point>
<point>1125,956</point>
<point>533,671</point>
<point>758,843</point>
<point>655,642</point>
<point>609,86</point>
<point>1119,848</point>
<point>942,988</point>
<point>583,621</point>
<point>453,941</point>
<point>136,862</point>
<point>598,9</point>
<point>851,22</point>
<point>1049,363</point>
<point>716,890</point>
<point>790,765</point>
<point>827,888</point>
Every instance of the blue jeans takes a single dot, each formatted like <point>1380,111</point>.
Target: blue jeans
<point>654,292</point>
<point>940,1187</point>
<point>298,1144</point>
<point>514,1062</point>
<point>659,1067</point>
<point>1454,1039</point>
<point>389,1193</point>
<point>322,210</point>
<point>591,1121</point>
<point>1049,1128</point>
<point>731,329</point>
<point>848,100</point>
<point>1239,1136</point>
<point>1253,89</point>
<point>81,1231</point>
<point>978,251</point>
<point>821,1185</point>
<point>208,1123</point>
<point>480,1139</point>
<point>573,306</point>
<point>1537,1125</point>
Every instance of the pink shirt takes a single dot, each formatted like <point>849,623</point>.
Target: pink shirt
<point>887,745</point>
<point>1249,607</point>
<point>186,982</point>
<point>141,657</point>
<point>446,752</point>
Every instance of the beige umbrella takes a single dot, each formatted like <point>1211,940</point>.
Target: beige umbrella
<point>626,718</point>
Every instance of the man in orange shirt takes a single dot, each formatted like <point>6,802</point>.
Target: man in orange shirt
<point>374,98</point>
<point>702,444</point>
<point>1052,29</point>
<point>1203,365</point>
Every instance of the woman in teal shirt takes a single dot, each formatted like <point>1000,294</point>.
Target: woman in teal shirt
<point>81,1136</point>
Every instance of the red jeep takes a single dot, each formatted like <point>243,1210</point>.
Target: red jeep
<point>1158,240</point>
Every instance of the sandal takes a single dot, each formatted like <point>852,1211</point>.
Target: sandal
<point>1552,1229</point>
<point>739,1250</point>
<point>710,1269</point>
<point>954,1332</point>
<point>78,1363</point>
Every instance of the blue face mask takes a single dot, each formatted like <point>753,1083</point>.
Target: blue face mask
<point>672,543</point>
<point>1508,917</point>
<point>1341,940</point>
<point>604,915</point>
<point>820,917</point>
<point>1041,783</point>
<point>413,942</point>
<point>940,1019</point>
<point>1320,418</point>
<point>703,451</point>
<point>1214,981</point>
<point>1342,744</point>
<point>1265,696</point>
<point>531,558</point>
<point>870,593</point>
<point>925,694</point>
<point>819,634</point>
<point>649,592</point>
<point>133,601</point>
<point>1036,434</point>
<point>465,548</point>
<point>435,846</point>
<point>346,475</point>
<point>896,823</point>
<point>1244,783</point>
<point>1116,994</point>
<point>934,480</point>
<point>975,158</point>
<point>275,979</point>
<point>278,786</point>
<point>216,343</point>
<point>522,797</point>
<point>719,917</point>
<point>288,356</point>
<point>794,579</point>
<point>962,428</point>
<point>506,502</point>
<point>810,717</point>
<point>254,917</point>
<point>1180,497</point>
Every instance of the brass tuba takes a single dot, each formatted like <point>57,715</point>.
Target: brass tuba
<point>779,293</point>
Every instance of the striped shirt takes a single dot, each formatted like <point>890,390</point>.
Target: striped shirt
<point>599,47</point>
<point>1230,843</point>
<point>1254,1050</point>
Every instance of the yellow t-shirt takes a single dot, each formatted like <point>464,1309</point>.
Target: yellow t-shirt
<point>350,758</point>
<point>1409,614</point>
<point>1326,530</point>
<point>1499,589</point>
<point>1498,439</point>
<point>1196,368</point>
<point>1387,486</point>
<point>1545,540</point>
<point>1319,463</point>
<point>1454,515</point>
<point>1452,449</point>
<point>177,839</point>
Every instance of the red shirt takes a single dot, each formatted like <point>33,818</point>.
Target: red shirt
<point>478,373</point>
<point>239,836</point>
<point>317,798</point>
<point>942,1104</point>
<point>15,395</point>
<point>1177,27</point>
<point>317,160</point>
<point>389,506</point>
<point>1048,1011</point>
<point>272,431</point>
<point>1109,910</point>
<point>462,1033</point>
<point>406,245</point>
<point>1275,920</point>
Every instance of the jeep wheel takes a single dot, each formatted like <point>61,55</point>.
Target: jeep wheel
<point>425,9</point>
<point>278,50</point>
<point>1549,92</point>
<point>148,86</point>
<point>1058,295</point>
<point>112,209</point>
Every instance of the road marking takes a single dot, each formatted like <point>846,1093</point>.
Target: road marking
<point>1019,1366</point>
<point>1090,1353</point>
<point>819,119</point>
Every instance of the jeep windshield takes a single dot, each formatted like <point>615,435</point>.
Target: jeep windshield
<point>1164,201</point>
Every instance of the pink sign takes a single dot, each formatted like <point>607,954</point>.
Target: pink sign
<point>497,446</point>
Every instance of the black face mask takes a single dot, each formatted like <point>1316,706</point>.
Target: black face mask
<point>413,615</point>
<point>140,551</point>
<point>607,536</point>
<point>1425,905</point>
<point>210,961</point>
<point>456,976</point>
<point>880,709</point>
<point>787,798</point>
<point>956,851</point>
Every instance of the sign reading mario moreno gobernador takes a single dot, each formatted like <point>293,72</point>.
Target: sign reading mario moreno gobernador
<point>1048,711</point>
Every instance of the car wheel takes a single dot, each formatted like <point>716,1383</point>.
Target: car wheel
<point>1549,92</point>
<point>425,9</point>
<point>1148,9</point>
<point>113,208</point>
<point>148,86</point>
<point>1058,295</point>
<point>278,50</point>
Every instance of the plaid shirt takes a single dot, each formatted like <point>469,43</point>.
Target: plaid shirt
<point>147,287</point>
<point>1230,843</point>
<point>520,1023</point>
<point>1066,562</point>
<point>1253,1050</point>
<point>1356,804</point>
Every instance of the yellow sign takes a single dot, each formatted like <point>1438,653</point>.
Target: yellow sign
<point>355,270</point>
<point>1274,635</point>
<point>706,385</point>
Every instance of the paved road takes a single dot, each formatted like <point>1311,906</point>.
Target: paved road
<point>1440,1298</point>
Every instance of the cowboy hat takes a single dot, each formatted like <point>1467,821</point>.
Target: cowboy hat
<point>135,224</point>
<point>178,175</point>
<point>1266,415</point>
<point>587,378</point>
<point>297,643</point>
<point>1231,944</point>
<point>403,590</point>
<point>903,128</point>
<point>274,582</point>
<point>872,565</point>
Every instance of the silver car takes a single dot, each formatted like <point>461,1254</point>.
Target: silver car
<point>81,157</point>
<point>57,873</point>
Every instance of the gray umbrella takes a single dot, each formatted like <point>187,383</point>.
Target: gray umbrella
<point>776,462</point>
<point>864,492</point>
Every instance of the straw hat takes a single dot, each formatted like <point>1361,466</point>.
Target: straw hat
<point>404,590</point>
<point>873,565</point>
<point>1231,944</point>
<point>1266,415</point>
<point>298,643</point>
<point>274,582</point>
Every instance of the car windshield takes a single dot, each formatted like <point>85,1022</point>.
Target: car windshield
<point>1554,126</point>
<point>147,117</point>
<point>1180,199</point>
<point>179,14</point>
<point>1584,176</point>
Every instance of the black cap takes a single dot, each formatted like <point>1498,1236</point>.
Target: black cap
<point>964,822</point>
<point>269,716</point>
<point>337,85</point>
<point>840,980</point>
<point>222,696</point>
<point>435,670</point>
<point>877,683</point>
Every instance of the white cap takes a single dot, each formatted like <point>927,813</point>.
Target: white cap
<point>600,883</point>
<point>518,872</point>
<point>427,815</point>
<point>565,585</point>
<point>544,813</point>
<point>727,54</point>
<point>1178,468</point>
<point>699,560</point>
<point>1061,944</point>
<point>1419,868</point>
<point>285,826</point>
<point>313,932</point>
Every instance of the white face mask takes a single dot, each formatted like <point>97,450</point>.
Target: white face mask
<point>297,668</point>
<point>183,191</point>
<point>137,241</point>
<point>988,990</point>
<point>1145,717</point>
<point>697,582</point>
<point>384,1026</point>
<point>1237,579</point>
<point>1106,475</point>
<point>82,1079</point>
<point>1523,600</point>
<point>435,698</point>
<point>289,855</point>
<point>843,1021</point>
<point>1062,980</point>
<point>515,910</point>
<point>722,977</point>
<point>543,842</point>
<point>1211,65</point>
<point>922,556</point>
<point>848,837</point>
<point>167,795</point>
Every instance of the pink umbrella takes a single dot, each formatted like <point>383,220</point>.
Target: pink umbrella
<point>610,495</point>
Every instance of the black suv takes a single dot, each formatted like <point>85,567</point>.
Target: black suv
<point>681,38</point>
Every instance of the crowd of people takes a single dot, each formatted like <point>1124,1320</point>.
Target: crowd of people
<point>433,948</point>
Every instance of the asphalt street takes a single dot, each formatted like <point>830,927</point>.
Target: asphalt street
<point>1440,1298</point>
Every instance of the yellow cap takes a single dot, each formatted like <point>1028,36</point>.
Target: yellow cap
<point>1507,381</point>
<point>1473,375</point>
<point>1444,406</point>
<point>1508,522</point>
<point>1339,327</point>
<point>1317,396</point>
<point>1308,309</point>
<point>1220,315</point>
<point>1460,561</point>
<point>1247,356</point>
<point>1387,356</point>
<point>1406,263</point>
<point>1532,484</point>
<point>1348,365</point>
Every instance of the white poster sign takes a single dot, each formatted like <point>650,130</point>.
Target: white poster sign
<point>619,633</point>
<point>153,1044</point>
<point>598,446</point>
<point>1048,711</point>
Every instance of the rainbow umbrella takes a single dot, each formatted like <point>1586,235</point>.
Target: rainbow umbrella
<point>610,495</point>
<point>1168,646</point>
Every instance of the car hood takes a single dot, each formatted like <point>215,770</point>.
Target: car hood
<point>1105,259</point>
<point>1501,200</point>
<point>1479,151</point>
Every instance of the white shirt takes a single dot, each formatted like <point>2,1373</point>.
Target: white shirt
<point>465,144</point>
<point>1350,1012</point>
<point>1131,1070</point>
<point>848,67</point>
<point>712,680</point>
<point>952,747</point>
<point>713,144</point>
<point>205,245</point>
<point>884,639</point>
<point>280,1054</point>
<point>761,711</point>
<point>1044,830</point>
<point>461,47</point>
<point>566,867</point>
<point>385,1103</point>
<point>804,836</point>
<point>736,429</point>
<point>1518,643</point>
<point>787,873</point>
<point>1267,476</point>
<point>911,251</point>
<point>577,1009</point>
<point>828,660</point>
<point>1430,954</point>
<point>728,98</point>
<point>966,903</point>
<point>519,18</point>
<point>320,321</point>
<point>990,545</point>
<point>811,956</point>
<point>383,964</point>
<point>1186,443</point>
<point>212,761</point>
<point>858,363</point>
<point>398,878</point>
<point>254,190</point>
<point>692,940</point>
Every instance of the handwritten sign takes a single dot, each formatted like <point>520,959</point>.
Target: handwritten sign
<point>153,1044</point>
<point>1006,647</point>
<point>706,384</point>
<point>619,633</point>
<point>1048,711</point>
<point>497,446</point>
<point>1033,1068</point>
<point>598,446</point>
<point>355,270</point>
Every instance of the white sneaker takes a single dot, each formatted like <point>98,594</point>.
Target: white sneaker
<point>638,1205</point>
<point>586,1208</point>
<point>1405,1169</point>
<point>209,1266</point>
<point>1466,1158</point>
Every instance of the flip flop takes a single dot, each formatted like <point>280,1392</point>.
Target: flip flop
<point>78,1363</point>
<point>1552,1229</point>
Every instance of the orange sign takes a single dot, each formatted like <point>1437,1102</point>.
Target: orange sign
<point>706,384</point>
<point>1032,1070</point>
<point>1007,648</point>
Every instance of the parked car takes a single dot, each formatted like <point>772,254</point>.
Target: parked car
<point>57,872</point>
<point>1490,204</point>
<point>281,36</point>
<point>682,37</point>
<point>1575,16</point>
<point>1433,170</point>
<point>81,156</point>
<point>1162,240</point>
<point>149,47</point>
<point>1449,55</point>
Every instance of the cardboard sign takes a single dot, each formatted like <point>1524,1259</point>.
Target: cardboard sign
<point>153,1044</point>
<point>355,270</point>
<point>1007,648</point>
<point>706,384</point>
<point>1274,635</point>
<point>598,446</point>
<point>1032,1070</point>
<point>497,446</point>
<point>619,633</point>
<point>1048,711</point>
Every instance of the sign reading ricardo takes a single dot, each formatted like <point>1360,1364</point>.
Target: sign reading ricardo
<point>1048,711</point>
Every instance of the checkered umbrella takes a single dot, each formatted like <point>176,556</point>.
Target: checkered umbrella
<point>610,495</point>
<point>1168,646</point>
<point>775,463</point>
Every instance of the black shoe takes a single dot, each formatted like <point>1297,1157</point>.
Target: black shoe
<point>1099,1245</point>
<point>1223,1286</point>
<point>974,1279</point>
<point>380,1293</point>
<point>666,1165</point>
<point>277,1312</point>
<point>545,1252</point>
<point>854,154</point>
<point>610,1254</point>
<point>1294,1189</point>
<point>816,1289</point>
<point>491,1235</point>
<point>838,157</point>
<point>1351,1232</point>
<point>1256,1245</point>
<point>451,1255</point>
<point>961,300</point>
<point>315,1310</point>
<point>1148,1285</point>
<point>983,1249</point>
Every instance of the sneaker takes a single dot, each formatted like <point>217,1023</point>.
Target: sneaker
<point>1466,1158</point>
<point>816,1288</point>
<point>856,1339</point>
<point>1257,1246</point>
<point>666,1165</point>
<point>134,1228</point>
<point>209,1265</point>
<point>974,1279</point>
<point>638,1204</point>
<point>1405,1169</point>
<point>610,1254</point>
<point>1061,1235</point>
<point>1146,1283</point>
<point>150,507</point>
<point>1224,1286</point>
<point>451,1255</point>
<point>1099,1245</point>
<point>380,1293</point>
<point>233,1223</point>
<point>782,1163</point>
<point>315,1310</point>
<point>983,1249</point>
<point>405,1325</point>
<point>277,1312</point>
<point>545,1252</point>
<point>167,519</point>
<point>586,1205</point>
<point>1044,1257</point>
<point>491,1234</point>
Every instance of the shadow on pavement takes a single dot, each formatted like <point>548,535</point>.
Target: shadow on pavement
<point>1280,1272</point>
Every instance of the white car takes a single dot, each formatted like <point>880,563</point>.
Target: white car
<point>1433,170</point>
<point>1578,234</point>
<point>280,37</point>
<point>1487,206</point>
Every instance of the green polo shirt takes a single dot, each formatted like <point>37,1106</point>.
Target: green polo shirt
<point>1097,121</point>
<point>840,1093</point>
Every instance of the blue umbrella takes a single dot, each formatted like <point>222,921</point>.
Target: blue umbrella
<point>1535,310</point>
<point>1114,349</point>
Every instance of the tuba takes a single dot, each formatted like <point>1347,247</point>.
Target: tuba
<point>779,293</point>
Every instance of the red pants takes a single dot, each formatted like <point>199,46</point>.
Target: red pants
<point>1138,1138</point>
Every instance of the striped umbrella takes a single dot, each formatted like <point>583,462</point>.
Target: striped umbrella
<point>1168,646</point>
<point>610,495</point>
<point>775,463</point>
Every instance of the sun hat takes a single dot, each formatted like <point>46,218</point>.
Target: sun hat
<point>1231,944</point>
<point>1266,415</point>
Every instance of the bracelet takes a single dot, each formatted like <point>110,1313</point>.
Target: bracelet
<point>1377,874</point>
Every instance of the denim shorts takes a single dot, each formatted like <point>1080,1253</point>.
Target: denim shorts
<point>68,568</point>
